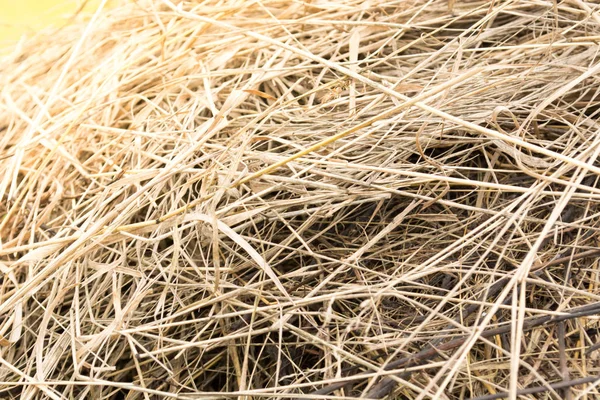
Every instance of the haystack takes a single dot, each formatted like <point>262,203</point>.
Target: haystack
<point>303,199</point>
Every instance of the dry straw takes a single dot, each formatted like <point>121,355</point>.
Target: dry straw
<point>312,200</point>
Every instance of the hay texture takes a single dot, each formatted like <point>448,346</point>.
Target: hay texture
<point>321,199</point>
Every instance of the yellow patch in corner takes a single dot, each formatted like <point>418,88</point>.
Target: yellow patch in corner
<point>25,17</point>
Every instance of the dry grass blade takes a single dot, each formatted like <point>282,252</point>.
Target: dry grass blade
<point>314,200</point>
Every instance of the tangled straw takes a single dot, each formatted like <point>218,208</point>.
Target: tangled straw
<point>322,199</point>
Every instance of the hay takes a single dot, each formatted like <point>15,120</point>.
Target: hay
<point>349,199</point>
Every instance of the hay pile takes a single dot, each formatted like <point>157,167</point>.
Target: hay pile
<point>319,199</point>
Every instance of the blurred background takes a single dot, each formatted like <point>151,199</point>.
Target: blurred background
<point>25,17</point>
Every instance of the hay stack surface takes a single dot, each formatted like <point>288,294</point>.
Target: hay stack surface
<point>320,199</point>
